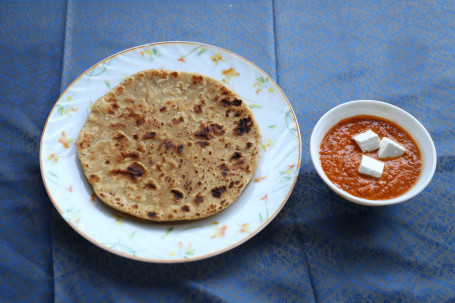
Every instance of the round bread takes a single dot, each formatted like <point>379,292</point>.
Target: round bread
<point>166,146</point>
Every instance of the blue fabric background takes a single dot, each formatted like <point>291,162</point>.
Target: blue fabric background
<point>320,247</point>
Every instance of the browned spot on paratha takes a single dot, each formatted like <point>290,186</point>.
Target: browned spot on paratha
<point>209,132</point>
<point>218,191</point>
<point>117,125</point>
<point>244,126</point>
<point>133,172</point>
<point>149,135</point>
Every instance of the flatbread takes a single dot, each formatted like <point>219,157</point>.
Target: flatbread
<point>165,146</point>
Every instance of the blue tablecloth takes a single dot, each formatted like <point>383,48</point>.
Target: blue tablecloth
<point>320,247</point>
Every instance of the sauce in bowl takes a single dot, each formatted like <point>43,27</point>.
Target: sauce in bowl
<point>340,159</point>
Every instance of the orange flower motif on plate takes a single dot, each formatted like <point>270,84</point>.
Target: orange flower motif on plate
<point>268,144</point>
<point>216,58</point>
<point>262,83</point>
<point>244,228</point>
<point>64,140</point>
<point>219,232</point>
<point>260,179</point>
<point>201,51</point>
<point>287,174</point>
<point>187,250</point>
<point>229,73</point>
<point>53,158</point>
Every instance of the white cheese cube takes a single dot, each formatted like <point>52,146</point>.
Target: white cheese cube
<point>367,141</point>
<point>389,149</point>
<point>371,167</point>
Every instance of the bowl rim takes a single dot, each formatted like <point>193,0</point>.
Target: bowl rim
<point>414,191</point>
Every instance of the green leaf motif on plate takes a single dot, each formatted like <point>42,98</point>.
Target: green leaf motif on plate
<point>290,122</point>
<point>99,69</point>
<point>151,53</point>
<point>168,232</point>
<point>201,51</point>
<point>120,248</point>
<point>52,174</point>
<point>262,79</point>
<point>65,110</point>
<point>262,83</point>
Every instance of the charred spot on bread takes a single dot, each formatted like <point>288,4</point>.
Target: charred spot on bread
<point>149,135</point>
<point>199,199</point>
<point>224,169</point>
<point>209,132</point>
<point>139,119</point>
<point>132,155</point>
<point>117,125</point>
<point>237,102</point>
<point>177,121</point>
<point>197,79</point>
<point>114,107</point>
<point>236,156</point>
<point>94,178</point>
<point>224,90</point>
<point>119,137</point>
<point>84,143</point>
<point>227,103</point>
<point>152,214</point>
<point>218,191</point>
<point>197,108</point>
<point>185,208</point>
<point>179,149</point>
<point>150,185</point>
<point>134,171</point>
<point>243,126</point>
<point>203,144</point>
<point>177,194</point>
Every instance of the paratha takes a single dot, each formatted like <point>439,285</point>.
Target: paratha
<point>166,145</point>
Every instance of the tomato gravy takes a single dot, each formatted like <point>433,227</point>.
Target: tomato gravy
<point>340,159</point>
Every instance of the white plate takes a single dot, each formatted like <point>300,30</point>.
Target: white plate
<point>261,201</point>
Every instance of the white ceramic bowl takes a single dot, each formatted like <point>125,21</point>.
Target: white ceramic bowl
<point>391,113</point>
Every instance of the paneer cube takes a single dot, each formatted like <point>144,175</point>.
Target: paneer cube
<point>371,167</point>
<point>389,149</point>
<point>367,141</point>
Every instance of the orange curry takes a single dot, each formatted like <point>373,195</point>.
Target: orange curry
<point>341,156</point>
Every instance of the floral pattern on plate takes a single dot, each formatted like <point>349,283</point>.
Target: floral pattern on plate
<point>261,201</point>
